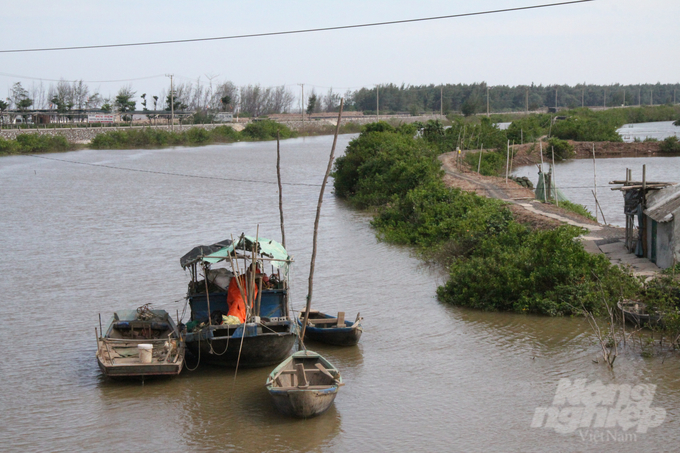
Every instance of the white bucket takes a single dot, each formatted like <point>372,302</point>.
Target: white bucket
<point>145,352</point>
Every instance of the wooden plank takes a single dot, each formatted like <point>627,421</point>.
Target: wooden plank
<point>324,370</point>
<point>302,378</point>
<point>323,321</point>
<point>341,318</point>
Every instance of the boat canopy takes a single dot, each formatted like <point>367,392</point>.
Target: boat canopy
<point>267,248</point>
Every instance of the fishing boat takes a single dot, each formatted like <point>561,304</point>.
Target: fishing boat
<point>304,385</point>
<point>636,313</point>
<point>325,328</point>
<point>230,275</point>
<point>140,343</point>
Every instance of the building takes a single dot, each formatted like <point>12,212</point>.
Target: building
<point>657,208</point>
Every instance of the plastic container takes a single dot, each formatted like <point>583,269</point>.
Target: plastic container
<point>145,353</point>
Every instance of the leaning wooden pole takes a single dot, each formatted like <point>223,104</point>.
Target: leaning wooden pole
<point>278,177</point>
<point>316,224</point>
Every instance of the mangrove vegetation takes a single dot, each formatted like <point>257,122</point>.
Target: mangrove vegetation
<point>494,262</point>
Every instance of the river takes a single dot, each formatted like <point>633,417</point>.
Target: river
<point>82,239</point>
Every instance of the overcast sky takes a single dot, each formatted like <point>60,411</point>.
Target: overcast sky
<point>601,42</point>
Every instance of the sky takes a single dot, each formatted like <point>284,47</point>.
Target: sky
<point>599,42</point>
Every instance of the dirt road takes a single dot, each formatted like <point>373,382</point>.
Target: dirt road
<point>599,238</point>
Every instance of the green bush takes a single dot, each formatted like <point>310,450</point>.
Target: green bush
<point>382,163</point>
<point>266,130</point>
<point>670,145</point>
<point>493,162</point>
<point>225,133</point>
<point>543,272</point>
<point>35,143</point>
<point>587,128</point>
<point>562,148</point>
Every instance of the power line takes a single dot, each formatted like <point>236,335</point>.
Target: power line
<point>87,81</point>
<point>183,175</point>
<point>292,32</point>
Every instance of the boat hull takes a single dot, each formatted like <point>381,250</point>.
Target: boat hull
<point>140,370</point>
<point>304,385</point>
<point>337,336</point>
<point>303,403</point>
<point>248,352</point>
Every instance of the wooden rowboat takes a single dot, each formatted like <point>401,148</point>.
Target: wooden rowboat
<point>304,385</point>
<point>636,313</point>
<point>327,329</point>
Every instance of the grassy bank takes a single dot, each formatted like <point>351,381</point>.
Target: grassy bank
<point>35,143</point>
<point>197,136</point>
<point>494,262</point>
<point>147,138</point>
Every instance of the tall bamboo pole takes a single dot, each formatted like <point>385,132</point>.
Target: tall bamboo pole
<point>595,182</point>
<point>278,177</point>
<point>316,224</point>
<point>554,178</point>
<point>542,172</point>
<point>479,165</point>
<point>507,163</point>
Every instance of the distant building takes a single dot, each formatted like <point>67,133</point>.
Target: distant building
<point>224,117</point>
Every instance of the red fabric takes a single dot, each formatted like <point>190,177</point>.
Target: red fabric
<point>237,306</point>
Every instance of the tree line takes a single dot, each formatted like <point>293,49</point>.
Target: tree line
<point>256,100</point>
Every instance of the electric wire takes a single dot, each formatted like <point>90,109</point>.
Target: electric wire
<point>218,178</point>
<point>292,32</point>
<point>183,175</point>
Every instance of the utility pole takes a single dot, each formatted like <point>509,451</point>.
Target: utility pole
<point>172,102</point>
<point>487,100</point>
<point>527,100</point>
<point>377,101</point>
<point>441,100</point>
<point>302,101</point>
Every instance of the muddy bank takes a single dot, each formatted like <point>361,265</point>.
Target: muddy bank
<point>529,154</point>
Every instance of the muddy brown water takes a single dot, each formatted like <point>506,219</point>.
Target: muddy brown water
<point>78,240</point>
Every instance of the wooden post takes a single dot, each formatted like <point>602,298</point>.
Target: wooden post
<point>595,181</point>
<point>278,177</point>
<point>479,165</point>
<point>542,172</point>
<point>207,292</point>
<point>316,224</point>
<point>507,163</point>
<point>554,178</point>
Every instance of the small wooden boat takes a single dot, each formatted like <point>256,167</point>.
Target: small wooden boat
<point>636,313</point>
<point>327,329</point>
<point>140,343</point>
<point>304,385</point>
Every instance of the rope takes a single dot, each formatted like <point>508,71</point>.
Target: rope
<point>199,357</point>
